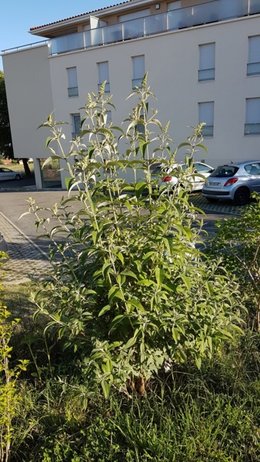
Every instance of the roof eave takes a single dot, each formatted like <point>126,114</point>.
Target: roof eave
<point>46,29</point>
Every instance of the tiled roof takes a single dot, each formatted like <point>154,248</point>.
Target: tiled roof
<point>79,15</point>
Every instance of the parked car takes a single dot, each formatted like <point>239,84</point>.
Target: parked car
<point>234,181</point>
<point>8,174</point>
<point>168,179</point>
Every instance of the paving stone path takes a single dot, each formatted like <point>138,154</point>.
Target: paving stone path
<point>225,208</point>
<point>26,260</point>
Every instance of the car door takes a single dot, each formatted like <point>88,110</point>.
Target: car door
<point>5,174</point>
<point>204,171</point>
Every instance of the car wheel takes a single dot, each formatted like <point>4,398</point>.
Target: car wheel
<point>211,200</point>
<point>242,196</point>
<point>18,177</point>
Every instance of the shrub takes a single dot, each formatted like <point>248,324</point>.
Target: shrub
<point>238,242</point>
<point>130,293</point>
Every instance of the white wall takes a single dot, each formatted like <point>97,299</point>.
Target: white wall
<point>29,96</point>
<point>172,63</point>
<point>171,60</point>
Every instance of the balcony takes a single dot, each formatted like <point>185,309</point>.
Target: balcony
<point>206,13</point>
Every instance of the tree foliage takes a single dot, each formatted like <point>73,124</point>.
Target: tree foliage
<point>5,132</point>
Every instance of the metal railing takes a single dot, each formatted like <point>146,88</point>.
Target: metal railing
<point>23,47</point>
<point>206,74</point>
<point>253,68</point>
<point>252,129</point>
<point>205,13</point>
<point>73,91</point>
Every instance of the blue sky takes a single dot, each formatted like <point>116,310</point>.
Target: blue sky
<point>17,16</point>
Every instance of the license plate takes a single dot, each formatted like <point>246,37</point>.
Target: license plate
<point>213,183</point>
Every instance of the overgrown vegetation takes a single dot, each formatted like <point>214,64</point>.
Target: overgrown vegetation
<point>143,346</point>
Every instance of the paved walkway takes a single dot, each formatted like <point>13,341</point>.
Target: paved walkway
<point>26,260</point>
<point>221,207</point>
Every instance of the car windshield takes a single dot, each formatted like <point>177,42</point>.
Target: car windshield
<point>225,171</point>
<point>156,168</point>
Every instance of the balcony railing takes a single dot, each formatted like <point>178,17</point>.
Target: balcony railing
<point>73,91</point>
<point>206,74</point>
<point>206,13</point>
<point>252,129</point>
<point>253,68</point>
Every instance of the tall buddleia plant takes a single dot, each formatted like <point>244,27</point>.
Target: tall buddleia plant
<point>130,292</point>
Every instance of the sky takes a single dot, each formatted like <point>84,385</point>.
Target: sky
<point>18,16</point>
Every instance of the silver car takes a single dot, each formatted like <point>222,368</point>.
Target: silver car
<point>234,181</point>
<point>8,174</point>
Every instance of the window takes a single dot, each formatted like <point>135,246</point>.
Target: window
<point>140,128</point>
<point>206,115</point>
<point>76,124</point>
<point>253,169</point>
<point>50,173</point>
<point>252,125</point>
<point>253,66</point>
<point>109,117</point>
<point>72,81</point>
<point>206,62</point>
<point>103,75</point>
<point>138,70</point>
<point>202,168</point>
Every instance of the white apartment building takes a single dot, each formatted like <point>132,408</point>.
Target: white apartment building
<point>202,60</point>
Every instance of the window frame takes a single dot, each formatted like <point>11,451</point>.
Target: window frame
<point>253,67</point>
<point>252,123</point>
<point>75,132</point>
<point>207,73</point>
<point>103,78</point>
<point>208,129</point>
<point>73,90</point>
<point>137,76</point>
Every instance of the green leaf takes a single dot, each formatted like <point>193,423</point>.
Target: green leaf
<point>137,304</point>
<point>143,145</point>
<point>104,310</point>
<point>148,255</point>
<point>48,141</point>
<point>159,275</point>
<point>198,362</point>
<point>187,281</point>
<point>106,388</point>
<point>184,145</point>
<point>121,257</point>
<point>115,292</point>
<point>145,282</point>
<point>129,273</point>
<point>131,342</point>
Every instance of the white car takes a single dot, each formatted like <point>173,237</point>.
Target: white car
<point>8,174</point>
<point>170,180</point>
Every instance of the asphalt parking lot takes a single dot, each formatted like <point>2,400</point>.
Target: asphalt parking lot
<point>14,203</point>
<point>17,185</point>
<point>27,247</point>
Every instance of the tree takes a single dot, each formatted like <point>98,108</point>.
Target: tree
<point>6,147</point>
